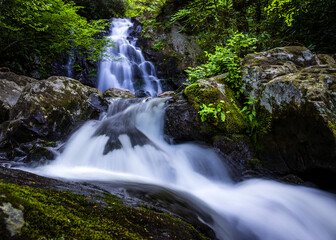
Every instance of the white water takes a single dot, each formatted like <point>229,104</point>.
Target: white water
<point>128,144</point>
<point>128,68</point>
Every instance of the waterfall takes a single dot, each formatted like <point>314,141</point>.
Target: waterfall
<point>69,65</point>
<point>127,67</point>
<point>127,145</point>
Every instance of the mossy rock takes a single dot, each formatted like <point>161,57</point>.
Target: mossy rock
<point>49,214</point>
<point>49,110</point>
<point>212,91</point>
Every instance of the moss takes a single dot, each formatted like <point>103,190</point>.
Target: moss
<point>199,94</point>
<point>63,215</point>
<point>332,127</point>
<point>255,162</point>
<point>204,93</point>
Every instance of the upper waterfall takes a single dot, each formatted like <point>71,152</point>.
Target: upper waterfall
<point>127,68</point>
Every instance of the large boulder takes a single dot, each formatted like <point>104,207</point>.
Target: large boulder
<point>47,111</point>
<point>298,89</point>
<point>183,123</point>
<point>11,86</point>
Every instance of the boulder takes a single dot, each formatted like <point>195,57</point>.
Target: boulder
<point>47,111</point>
<point>166,94</point>
<point>298,89</point>
<point>11,86</point>
<point>183,123</point>
<point>116,92</point>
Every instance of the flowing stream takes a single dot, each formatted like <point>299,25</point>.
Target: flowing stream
<point>127,144</point>
<point>127,68</point>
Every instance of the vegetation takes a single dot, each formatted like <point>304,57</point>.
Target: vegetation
<point>101,9</point>
<point>147,8</point>
<point>52,214</point>
<point>40,31</point>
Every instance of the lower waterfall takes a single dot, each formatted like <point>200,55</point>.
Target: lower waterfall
<point>128,144</point>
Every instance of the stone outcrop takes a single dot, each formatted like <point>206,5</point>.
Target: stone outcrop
<point>44,112</point>
<point>296,92</point>
<point>119,93</point>
<point>183,123</point>
<point>171,50</point>
<point>84,71</point>
<point>298,89</point>
<point>11,86</point>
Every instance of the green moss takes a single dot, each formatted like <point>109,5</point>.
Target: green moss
<point>332,127</point>
<point>255,162</point>
<point>52,214</point>
<point>204,93</point>
<point>198,94</point>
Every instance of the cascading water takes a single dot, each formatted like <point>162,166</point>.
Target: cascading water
<point>69,66</point>
<point>127,144</point>
<point>131,71</point>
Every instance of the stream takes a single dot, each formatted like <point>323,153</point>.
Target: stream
<point>127,147</point>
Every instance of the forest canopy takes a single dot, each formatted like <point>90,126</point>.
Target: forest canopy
<point>31,29</point>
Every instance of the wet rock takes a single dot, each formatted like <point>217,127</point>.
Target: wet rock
<point>166,94</point>
<point>120,93</point>
<point>178,51</point>
<point>298,89</point>
<point>237,151</point>
<point>14,220</point>
<point>183,121</point>
<point>48,110</point>
<point>83,204</point>
<point>77,67</point>
<point>11,86</point>
<point>258,69</point>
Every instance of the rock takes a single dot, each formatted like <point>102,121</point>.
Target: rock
<point>47,111</point>
<point>183,121</point>
<point>166,94</point>
<point>237,151</point>
<point>14,220</point>
<point>298,89</point>
<point>74,206</point>
<point>11,86</point>
<point>178,51</point>
<point>258,69</point>
<point>325,59</point>
<point>120,93</point>
<point>4,69</point>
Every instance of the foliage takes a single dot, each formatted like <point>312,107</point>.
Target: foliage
<point>45,29</point>
<point>216,112</point>
<point>287,9</point>
<point>143,7</point>
<point>225,60</point>
<point>101,9</point>
<point>250,113</point>
<point>158,45</point>
<point>210,19</point>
